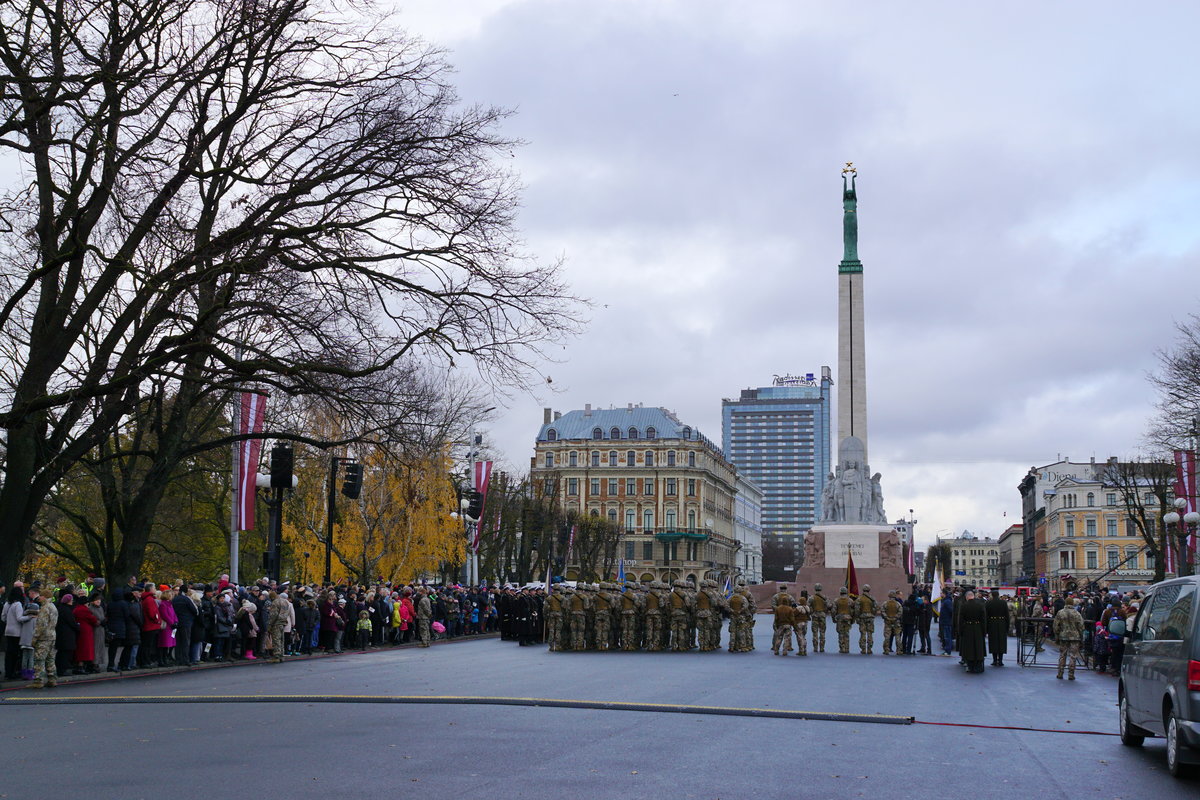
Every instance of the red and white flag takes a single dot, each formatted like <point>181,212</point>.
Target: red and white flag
<point>483,476</point>
<point>253,407</point>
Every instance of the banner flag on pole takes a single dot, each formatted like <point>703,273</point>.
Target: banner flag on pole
<point>483,476</point>
<point>253,409</point>
<point>621,573</point>
<point>936,593</point>
<point>570,544</point>
<point>851,575</point>
<point>728,588</point>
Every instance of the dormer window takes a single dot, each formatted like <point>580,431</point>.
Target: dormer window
<point>552,435</point>
<point>633,433</point>
<point>597,433</point>
<point>651,433</point>
<point>615,433</point>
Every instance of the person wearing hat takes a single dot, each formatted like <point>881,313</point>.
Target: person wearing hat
<point>151,625</point>
<point>66,634</point>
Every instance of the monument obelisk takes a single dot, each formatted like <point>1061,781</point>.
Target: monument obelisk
<point>852,358</point>
<point>852,520</point>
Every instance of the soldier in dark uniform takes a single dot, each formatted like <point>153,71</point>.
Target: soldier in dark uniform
<point>972,617</point>
<point>997,628</point>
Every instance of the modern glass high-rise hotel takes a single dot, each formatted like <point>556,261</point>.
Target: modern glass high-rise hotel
<point>778,436</point>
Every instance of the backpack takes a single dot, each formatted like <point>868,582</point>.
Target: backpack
<point>1116,626</point>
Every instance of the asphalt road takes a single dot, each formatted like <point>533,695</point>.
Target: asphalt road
<point>301,748</point>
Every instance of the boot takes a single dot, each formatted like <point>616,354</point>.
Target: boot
<point>1059,676</point>
<point>250,655</point>
<point>1070,677</point>
<point>36,685</point>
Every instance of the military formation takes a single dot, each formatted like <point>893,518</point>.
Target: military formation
<point>650,616</point>
<point>795,615</point>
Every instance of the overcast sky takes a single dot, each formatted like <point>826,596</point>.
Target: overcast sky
<point>1029,191</point>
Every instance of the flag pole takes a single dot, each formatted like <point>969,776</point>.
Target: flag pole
<point>234,484</point>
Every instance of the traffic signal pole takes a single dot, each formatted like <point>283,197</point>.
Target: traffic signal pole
<point>330,510</point>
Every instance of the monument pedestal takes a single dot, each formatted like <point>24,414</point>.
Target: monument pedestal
<point>878,558</point>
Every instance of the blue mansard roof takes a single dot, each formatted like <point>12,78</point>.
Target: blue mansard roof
<point>633,423</point>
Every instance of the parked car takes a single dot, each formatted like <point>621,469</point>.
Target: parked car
<point>1159,689</point>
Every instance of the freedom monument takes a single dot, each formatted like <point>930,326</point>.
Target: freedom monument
<point>852,521</point>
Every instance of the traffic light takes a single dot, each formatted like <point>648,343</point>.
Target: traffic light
<point>474,504</point>
<point>282,461</point>
<point>352,485</point>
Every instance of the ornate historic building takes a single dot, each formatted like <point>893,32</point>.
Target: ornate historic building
<point>669,488</point>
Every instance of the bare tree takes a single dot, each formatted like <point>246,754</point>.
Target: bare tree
<point>1144,486</point>
<point>1177,419</point>
<point>223,191</point>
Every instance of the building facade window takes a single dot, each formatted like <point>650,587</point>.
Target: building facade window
<point>552,435</point>
<point>1111,499</point>
<point>670,488</point>
<point>612,458</point>
<point>612,516</point>
<point>548,488</point>
<point>649,462</point>
<point>1114,558</point>
<point>670,458</point>
<point>670,519</point>
<point>1110,527</point>
<point>648,487</point>
<point>615,433</point>
<point>692,519</point>
<point>1090,527</point>
<point>1091,559</point>
<point>648,519</point>
<point>612,487</point>
<point>630,519</point>
<point>647,551</point>
<point>633,433</point>
<point>631,459</point>
<point>595,458</point>
<point>549,459</point>
<point>573,487</point>
<point>1091,497</point>
<point>631,487</point>
<point>1070,527</point>
<point>651,433</point>
<point>595,486</point>
<point>572,459</point>
<point>691,487</point>
<point>597,433</point>
<point>691,459</point>
<point>629,551</point>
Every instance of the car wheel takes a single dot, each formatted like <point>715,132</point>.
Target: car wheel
<point>1175,745</point>
<point>1129,733</point>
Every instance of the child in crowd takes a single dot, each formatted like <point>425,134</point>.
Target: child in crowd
<point>364,629</point>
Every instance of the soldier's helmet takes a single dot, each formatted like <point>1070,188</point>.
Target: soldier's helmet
<point>843,590</point>
<point>741,582</point>
<point>817,587</point>
<point>866,588</point>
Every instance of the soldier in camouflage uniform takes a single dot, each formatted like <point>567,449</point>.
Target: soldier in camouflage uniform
<point>720,606</point>
<point>680,607</point>
<point>656,604</point>
<point>1068,632</point>
<point>785,621</point>
<point>690,588</point>
<point>602,606</point>
<point>745,637</point>
<point>704,615</point>
<point>628,606</point>
<point>554,617</point>
<point>576,608</point>
<point>892,627</point>
<point>45,634</point>
<point>818,608</point>
<point>424,615</point>
<point>867,609</point>
<point>801,625</point>
<point>843,616</point>
<point>781,599</point>
<point>277,618</point>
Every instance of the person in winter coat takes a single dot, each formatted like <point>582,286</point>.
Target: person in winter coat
<point>166,634</point>
<point>205,627</point>
<point>328,614</point>
<point>66,634</point>
<point>14,608</point>
<point>118,630</point>
<point>224,627</point>
<point>151,625</point>
<point>247,628</point>
<point>85,642</point>
<point>133,629</point>
<point>186,611</point>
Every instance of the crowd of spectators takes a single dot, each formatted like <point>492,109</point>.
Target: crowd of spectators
<point>145,625</point>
